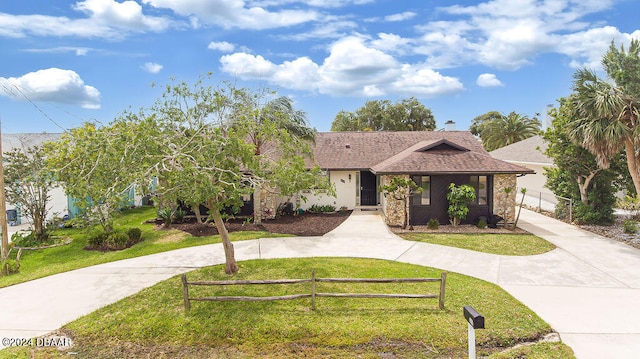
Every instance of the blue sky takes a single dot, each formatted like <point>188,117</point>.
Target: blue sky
<point>67,62</point>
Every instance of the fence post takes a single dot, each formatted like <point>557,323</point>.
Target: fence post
<point>570,210</point>
<point>443,281</point>
<point>185,293</point>
<point>539,202</point>
<point>313,290</point>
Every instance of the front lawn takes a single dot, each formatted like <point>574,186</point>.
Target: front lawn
<point>44,262</point>
<point>503,244</point>
<point>153,323</point>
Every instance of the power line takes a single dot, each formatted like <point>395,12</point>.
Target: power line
<point>46,115</point>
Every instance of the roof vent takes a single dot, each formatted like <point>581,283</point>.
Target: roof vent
<point>347,146</point>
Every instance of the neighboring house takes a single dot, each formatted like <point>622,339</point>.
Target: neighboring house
<point>529,153</point>
<point>58,202</point>
<point>357,163</point>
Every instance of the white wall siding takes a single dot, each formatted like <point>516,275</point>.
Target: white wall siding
<point>345,185</point>
<point>57,205</point>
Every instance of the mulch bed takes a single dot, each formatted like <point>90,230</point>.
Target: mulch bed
<point>306,224</point>
<point>615,232</point>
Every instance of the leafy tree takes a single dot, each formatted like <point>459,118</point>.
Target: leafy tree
<point>459,199</point>
<point>281,139</point>
<point>193,156</point>
<point>605,119</point>
<point>382,115</point>
<point>478,123</point>
<point>577,173</point>
<point>93,163</point>
<point>211,146</point>
<point>401,189</point>
<point>347,121</point>
<point>27,182</point>
<point>505,130</point>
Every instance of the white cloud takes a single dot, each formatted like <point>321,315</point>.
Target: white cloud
<point>222,46</point>
<point>247,66</point>
<point>400,17</point>
<point>104,19</point>
<point>352,68</point>
<point>315,3</point>
<point>509,34</point>
<point>52,85</point>
<point>328,28</point>
<point>488,80</point>
<point>152,67</point>
<point>391,43</point>
<point>235,14</point>
<point>421,79</point>
<point>79,51</point>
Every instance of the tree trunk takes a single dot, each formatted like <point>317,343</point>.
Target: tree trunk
<point>196,210</point>
<point>632,164</point>
<point>38,227</point>
<point>231,265</point>
<point>583,185</point>
<point>405,221</point>
<point>257,204</point>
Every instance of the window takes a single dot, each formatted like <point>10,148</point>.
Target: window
<point>480,185</point>
<point>423,198</point>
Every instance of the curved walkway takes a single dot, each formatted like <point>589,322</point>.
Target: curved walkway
<point>588,288</point>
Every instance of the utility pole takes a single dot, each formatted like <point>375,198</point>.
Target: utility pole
<point>3,208</point>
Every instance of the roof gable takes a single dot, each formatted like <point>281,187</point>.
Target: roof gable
<point>443,145</point>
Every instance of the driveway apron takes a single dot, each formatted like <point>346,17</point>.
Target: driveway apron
<point>587,288</point>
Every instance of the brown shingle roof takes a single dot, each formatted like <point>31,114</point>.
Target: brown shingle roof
<point>530,150</point>
<point>407,152</point>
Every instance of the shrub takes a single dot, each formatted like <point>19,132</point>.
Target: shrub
<point>433,224</point>
<point>322,209</point>
<point>20,239</point>
<point>178,215</point>
<point>562,210</point>
<point>166,215</point>
<point>459,199</point>
<point>134,234</point>
<point>593,214</point>
<point>97,240</point>
<point>630,226</point>
<point>117,240</point>
<point>10,266</point>
<point>482,223</point>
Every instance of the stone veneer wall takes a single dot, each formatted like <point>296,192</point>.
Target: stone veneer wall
<point>503,200</point>
<point>392,208</point>
<point>269,203</point>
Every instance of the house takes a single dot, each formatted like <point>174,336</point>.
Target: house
<point>58,201</point>
<point>358,163</point>
<point>529,153</point>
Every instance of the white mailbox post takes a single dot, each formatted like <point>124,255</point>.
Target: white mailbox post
<point>476,321</point>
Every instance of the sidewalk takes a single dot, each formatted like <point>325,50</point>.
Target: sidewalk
<point>587,289</point>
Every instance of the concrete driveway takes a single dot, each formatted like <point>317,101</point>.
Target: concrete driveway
<point>587,288</point>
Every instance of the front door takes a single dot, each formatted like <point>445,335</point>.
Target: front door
<point>368,192</point>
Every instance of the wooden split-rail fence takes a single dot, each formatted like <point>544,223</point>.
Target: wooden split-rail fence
<point>314,294</point>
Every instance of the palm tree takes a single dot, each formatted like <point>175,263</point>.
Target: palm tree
<point>606,114</point>
<point>271,127</point>
<point>505,130</point>
<point>606,121</point>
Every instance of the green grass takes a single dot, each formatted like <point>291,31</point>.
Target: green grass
<point>503,244</point>
<point>153,323</point>
<point>44,262</point>
<point>537,351</point>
